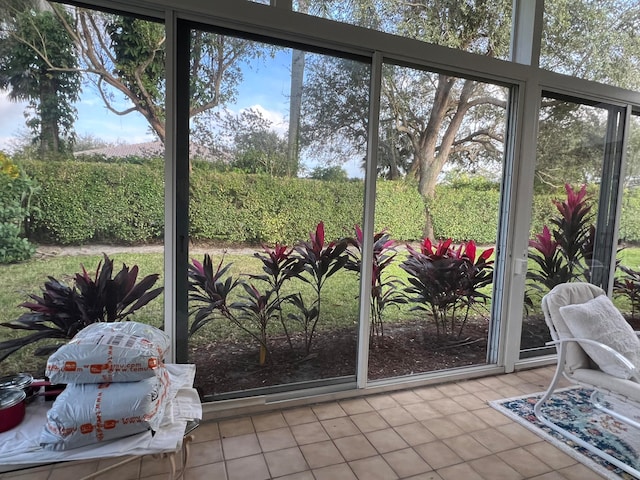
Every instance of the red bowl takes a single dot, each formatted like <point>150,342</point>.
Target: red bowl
<point>12,407</point>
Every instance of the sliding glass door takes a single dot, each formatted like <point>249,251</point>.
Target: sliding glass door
<point>579,156</point>
<point>273,295</point>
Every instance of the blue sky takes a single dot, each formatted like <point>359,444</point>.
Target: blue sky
<point>93,119</point>
<point>265,87</point>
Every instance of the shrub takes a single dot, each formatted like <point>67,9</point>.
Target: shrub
<point>630,217</point>
<point>242,208</point>
<point>123,202</point>
<point>385,288</point>
<point>16,194</point>
<point>319,260</point>
<point>627,286</point>
<point>563,252</point>
<point>464,212</point>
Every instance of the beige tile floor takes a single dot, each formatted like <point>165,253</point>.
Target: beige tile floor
<point>442,432</point>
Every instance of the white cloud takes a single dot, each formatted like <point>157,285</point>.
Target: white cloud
<point>279,123</point>
<point>11,121</point>
<point>93,119</point>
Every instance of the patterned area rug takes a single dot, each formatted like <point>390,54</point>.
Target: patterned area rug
<point>572,409</point>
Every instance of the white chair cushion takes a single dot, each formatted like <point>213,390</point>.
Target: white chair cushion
<point>568,294</point>
<point>598,319</point>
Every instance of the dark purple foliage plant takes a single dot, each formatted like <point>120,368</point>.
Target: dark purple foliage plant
<point>210,290</point>
<point>258,308</point>
<point>211,293</point>
<point>279,266</point>
<point>61,311</point>
<point>628,286</point>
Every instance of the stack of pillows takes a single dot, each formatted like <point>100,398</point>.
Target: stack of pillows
<point>117,385</point>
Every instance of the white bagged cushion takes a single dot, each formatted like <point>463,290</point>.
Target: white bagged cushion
<point>598,319</point>
<point>107,352</point>
<point>92,413</point>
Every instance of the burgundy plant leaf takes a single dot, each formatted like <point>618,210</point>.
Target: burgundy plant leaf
<point>198,266</point>
<point>359,235</point>
<point>470,250</point>
<point>544,243</point>
<point>137,291</point>
<point>426,247</point>
<point>443,247</point>
<point>486,254</point>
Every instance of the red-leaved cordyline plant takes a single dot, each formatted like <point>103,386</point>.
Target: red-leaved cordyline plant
<point>552,268</point>
<point>477,274</point>
<point>564,253</point>
<point>573,225</point>
<point>279,266</point>
<point>319,261</point>
<point>384,290</point>
<point>427,248</point>
<point>443,279</point>
<point>63,311</point>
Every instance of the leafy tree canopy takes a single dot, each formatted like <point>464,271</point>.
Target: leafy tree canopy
<point>593,39</point>
<point>246,141</point>
<point>38,63</point>
<point>124,58</point>
<point>429,119</point>
<point>333,173</point>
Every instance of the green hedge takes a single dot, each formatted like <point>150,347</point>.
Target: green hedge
<point>98,202</point>
<point>254,209</point>
<point>84,202</point>
<point>465,213</point>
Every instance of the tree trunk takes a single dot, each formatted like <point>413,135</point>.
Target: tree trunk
<point>49,133</point>
<point>431,157</point>
<point>428,178</point>
<point>295,106</point>
<point>429,164</point>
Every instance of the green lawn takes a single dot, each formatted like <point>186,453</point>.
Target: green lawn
<point>630,257</point>
<point>339,307</point>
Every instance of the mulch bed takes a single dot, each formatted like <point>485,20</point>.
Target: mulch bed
<point>405,349</point>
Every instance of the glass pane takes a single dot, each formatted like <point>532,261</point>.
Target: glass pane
<point>592,39</point>
<point>273,215</point>
<point>81,178</point>
<point>626,290</point>
<point>441,143</point>
<point>570,154</point>
<point>482,27</point>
